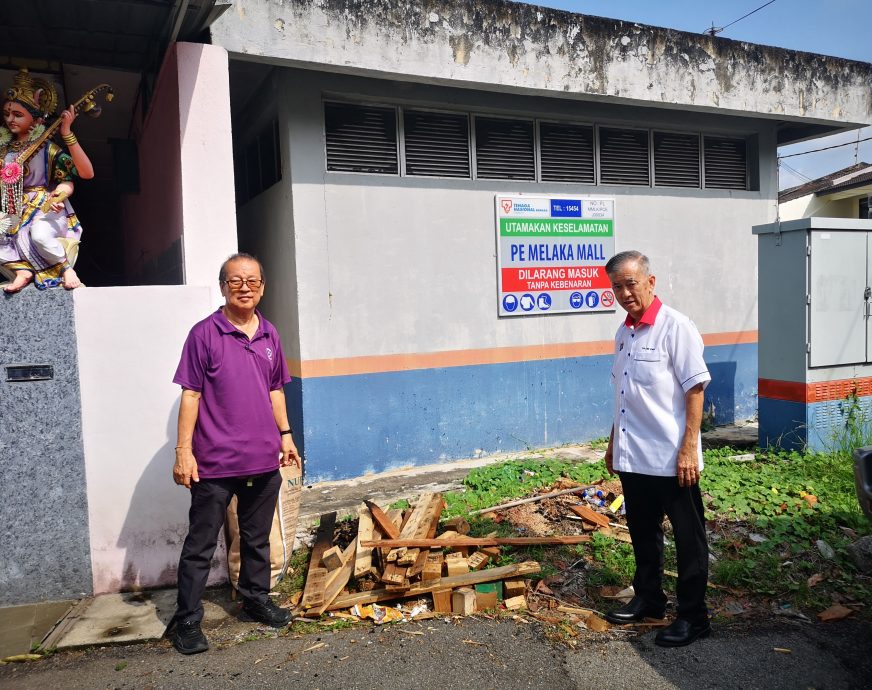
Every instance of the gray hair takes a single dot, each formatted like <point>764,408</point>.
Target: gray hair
<point>222,272</point>
<point>621,258</point>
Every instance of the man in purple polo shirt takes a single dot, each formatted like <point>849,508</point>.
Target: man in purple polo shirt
<point>233,434</point>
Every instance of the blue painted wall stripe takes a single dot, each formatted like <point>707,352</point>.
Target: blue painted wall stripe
<point>374,422</point>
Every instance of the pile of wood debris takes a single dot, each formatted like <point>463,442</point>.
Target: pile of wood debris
<point>406,555</point>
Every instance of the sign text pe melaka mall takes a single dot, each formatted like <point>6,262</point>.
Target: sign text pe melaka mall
<point>552,254</point>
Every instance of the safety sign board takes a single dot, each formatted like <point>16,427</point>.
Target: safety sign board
<point>552,253</point>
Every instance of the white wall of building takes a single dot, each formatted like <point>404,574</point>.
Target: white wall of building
<point>391,264</point>
<point>812,206</point>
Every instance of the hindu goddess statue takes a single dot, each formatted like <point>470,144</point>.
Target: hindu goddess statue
<point>36,179</point>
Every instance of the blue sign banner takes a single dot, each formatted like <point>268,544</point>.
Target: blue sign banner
<point>565,208</point>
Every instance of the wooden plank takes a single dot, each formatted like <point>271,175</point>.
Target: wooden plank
<point>456,566</point>
<point>332,558</point>
<point>478,560</point>
<point>590,515</point>
<point>365,531</point>
<point>313,592</point>
<point>394,574</point>
<point>433,568</point>
<point>382,521</point>
<point>418,525</point>
<point>484,541</point>
<point>442,601</point>
<point>337,580</point>
<point>463,601</point>
<point>532,499</point>
<point>424,554</point>
<point>514,588</point>
<point>457,524</point>
<point>418,588</point>
<point>515,603</point>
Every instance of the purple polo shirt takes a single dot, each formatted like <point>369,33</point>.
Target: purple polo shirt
<point>236,434</point>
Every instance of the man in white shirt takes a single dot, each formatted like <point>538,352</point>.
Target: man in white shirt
<point>659,376</point>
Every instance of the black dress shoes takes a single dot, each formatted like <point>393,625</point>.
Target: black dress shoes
<point>267,612</point>
<point>682,631</point>
<point>634,612</point>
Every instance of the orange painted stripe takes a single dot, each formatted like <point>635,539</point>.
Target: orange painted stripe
<point>377,364</point>
<point>807,393</point>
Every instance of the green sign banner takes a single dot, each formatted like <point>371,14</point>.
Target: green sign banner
<point>530,227</point>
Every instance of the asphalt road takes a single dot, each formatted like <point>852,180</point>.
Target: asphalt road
<point>475,653</point>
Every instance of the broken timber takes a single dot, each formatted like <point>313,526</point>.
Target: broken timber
<point>445,583</point>
<point>313,594</point>
<point>336,580</point>
<point>388,528</point>
<point>481,541</point>
<point>363,560</point>
<point>590,515</point>
<point>531,499</point>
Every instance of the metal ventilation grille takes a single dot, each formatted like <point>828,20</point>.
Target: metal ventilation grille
<point>361,138</point>
<point>566,153</point>
<point>504,149</point>
<point>437,144</point>
<point>676,160</point>
<point>624,156</point>
<point>726,163</point>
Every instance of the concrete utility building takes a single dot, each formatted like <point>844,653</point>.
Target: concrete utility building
<point>358,148</point>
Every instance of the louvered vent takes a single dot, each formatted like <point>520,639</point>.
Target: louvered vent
<point>504,149</point>
<point>566,153</point>
<point>726,163</point>
<point>361,138</point>
<point>437,144</point>
<point>676,160</point>
<point>624,156</point>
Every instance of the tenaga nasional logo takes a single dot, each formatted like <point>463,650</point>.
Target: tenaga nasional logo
<point>269,354</point>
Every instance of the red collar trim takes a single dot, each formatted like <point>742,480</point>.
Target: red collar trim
<point>648,317</point>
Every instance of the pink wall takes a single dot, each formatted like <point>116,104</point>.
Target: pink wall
<point>152,220</point>
<point>186,173</point>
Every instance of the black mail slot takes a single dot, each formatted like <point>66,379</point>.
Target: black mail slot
<point>29,372</point>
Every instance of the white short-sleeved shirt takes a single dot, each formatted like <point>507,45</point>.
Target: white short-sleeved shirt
<point>656,363</point>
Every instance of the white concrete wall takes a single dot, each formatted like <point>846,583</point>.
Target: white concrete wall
<point>129,342</point>
<point>206,149</point>
<point>811,206</point>
<point>509,46</point>
<point>392,265</point>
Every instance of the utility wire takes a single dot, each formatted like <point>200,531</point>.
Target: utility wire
<point>796,172</point>
<point>714,31</point>
<point>825,148</point>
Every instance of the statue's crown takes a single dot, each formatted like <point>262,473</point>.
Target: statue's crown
<point>37,94</point>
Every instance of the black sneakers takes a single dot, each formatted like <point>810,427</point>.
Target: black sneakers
<point>188,638</point>
<point>267,613</point>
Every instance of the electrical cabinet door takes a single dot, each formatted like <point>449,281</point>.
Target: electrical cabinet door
<point>837,282</point>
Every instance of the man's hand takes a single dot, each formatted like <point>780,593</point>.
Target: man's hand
<point>290,456</point>
<point>185,469</point>
<point>688,466</point>
<point>610,459</point>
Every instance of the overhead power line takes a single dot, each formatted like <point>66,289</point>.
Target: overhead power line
<point>825,148</point>
<point>715,30</point>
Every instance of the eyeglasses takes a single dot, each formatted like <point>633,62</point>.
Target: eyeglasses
<point>236,283</point>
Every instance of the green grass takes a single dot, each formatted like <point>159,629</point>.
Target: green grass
<point>764,497</point>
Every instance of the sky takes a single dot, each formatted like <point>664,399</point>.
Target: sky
<point>842,28</point>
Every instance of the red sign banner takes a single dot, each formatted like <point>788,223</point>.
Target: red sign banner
<point>554,278</point>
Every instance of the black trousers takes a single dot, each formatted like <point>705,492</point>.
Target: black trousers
<point>647,499</point>
<point>256,506</point>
